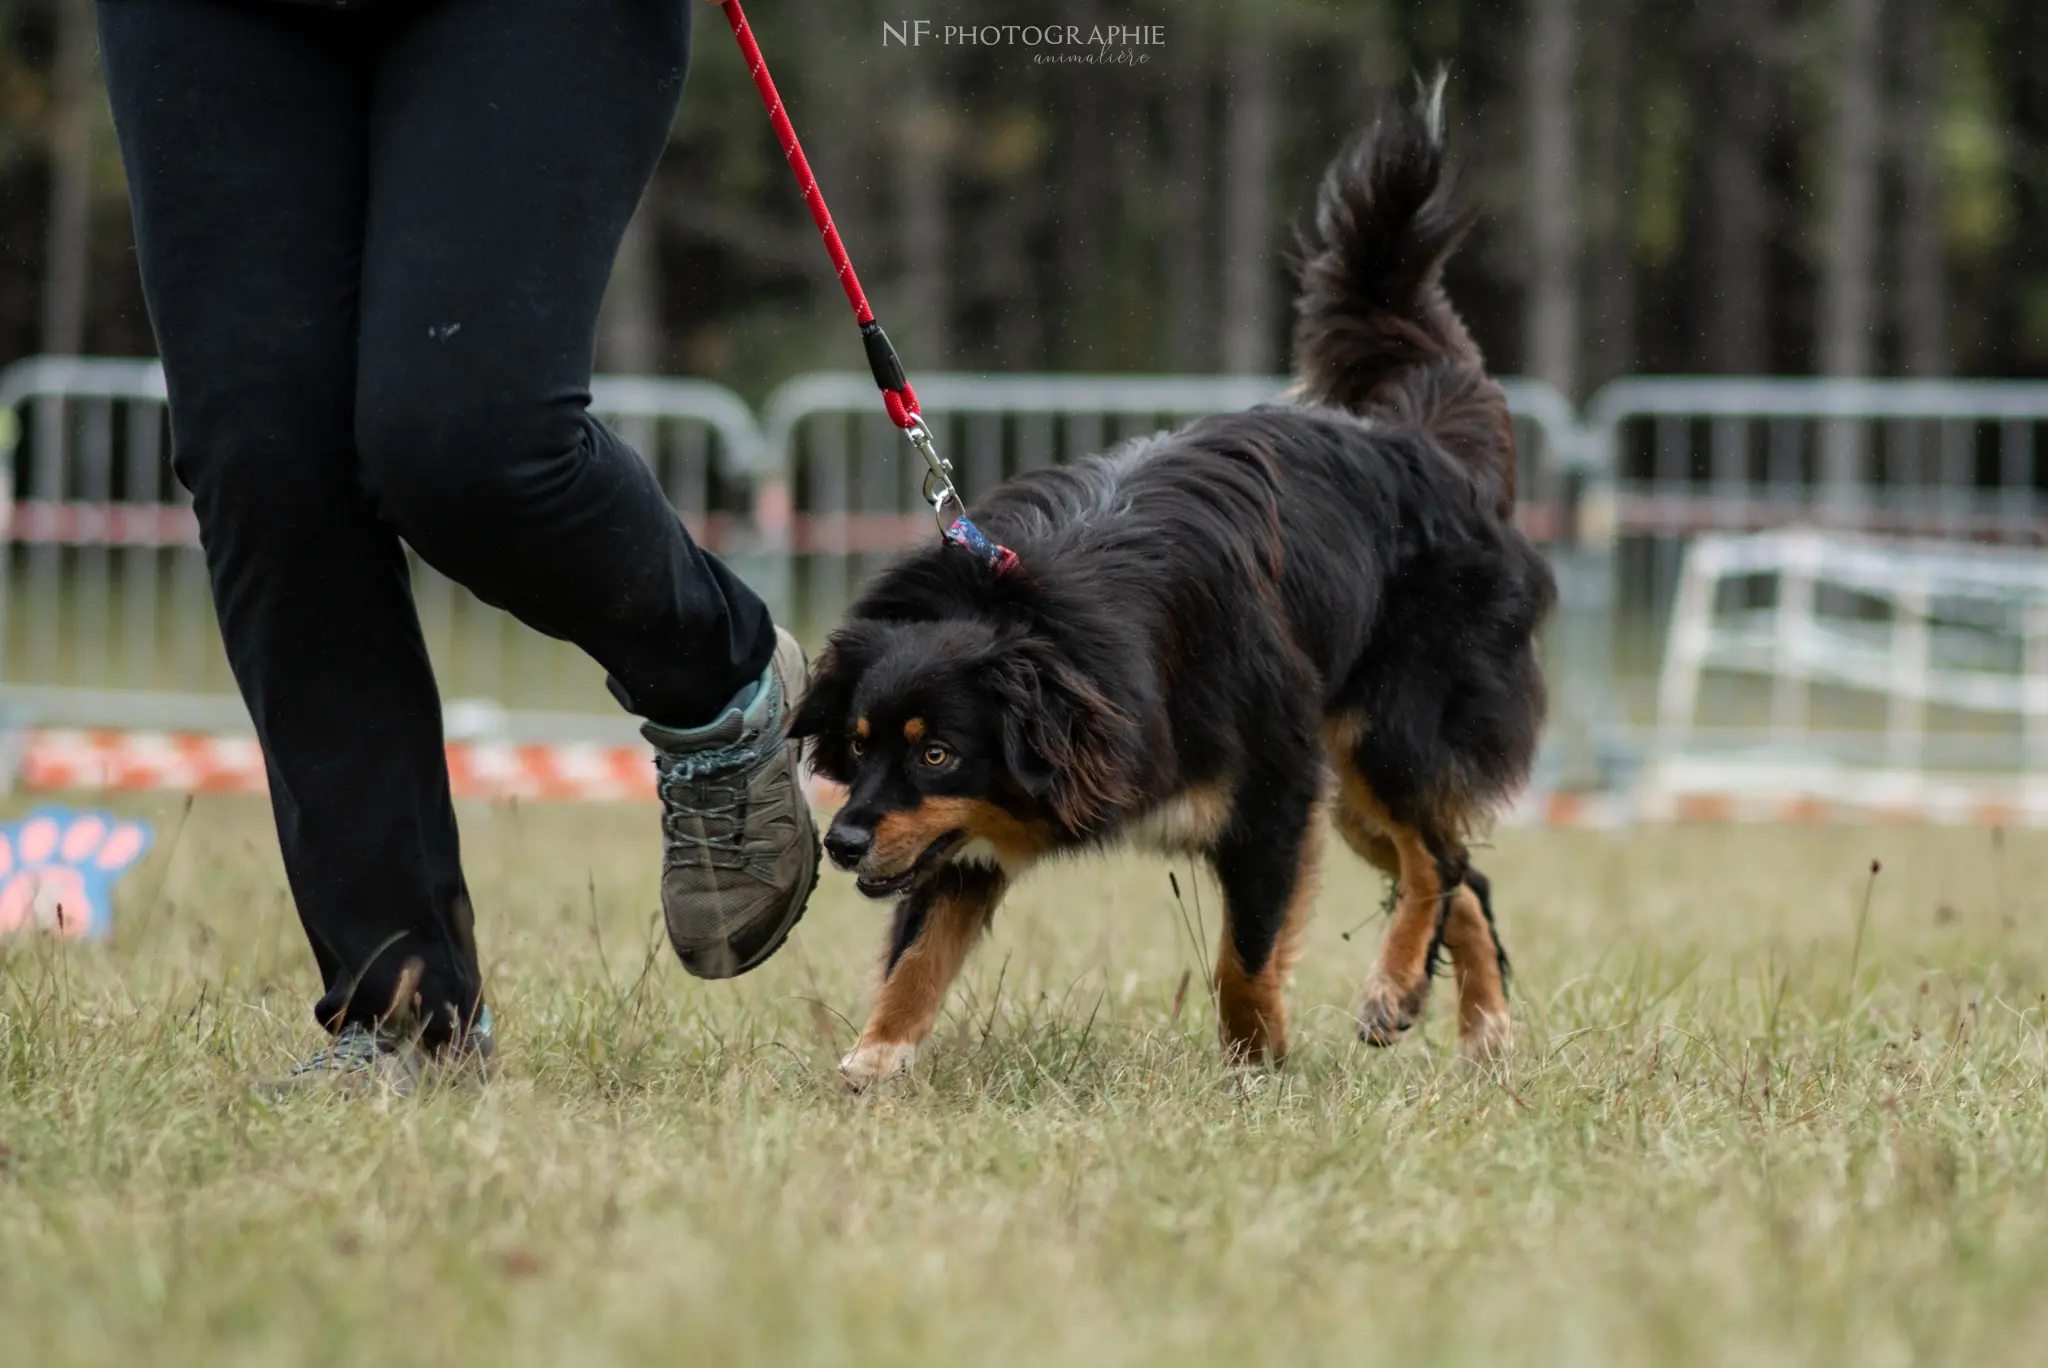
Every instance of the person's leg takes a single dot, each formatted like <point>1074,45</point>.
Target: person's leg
<point>511,141</point>
<point>243,128</point>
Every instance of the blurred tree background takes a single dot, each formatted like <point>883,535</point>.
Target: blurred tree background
<point>1758,186</point>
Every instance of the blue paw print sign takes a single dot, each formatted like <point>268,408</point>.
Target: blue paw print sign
<point>58,868</point>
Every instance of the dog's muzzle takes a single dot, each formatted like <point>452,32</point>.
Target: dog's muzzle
<point>932,857</point>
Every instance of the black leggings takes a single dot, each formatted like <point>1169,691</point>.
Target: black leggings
<point>373,247</point>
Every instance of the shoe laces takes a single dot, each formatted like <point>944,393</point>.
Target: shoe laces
<point>704,802</point>
<point>354,1049</point>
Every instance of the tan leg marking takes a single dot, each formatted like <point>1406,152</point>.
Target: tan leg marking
<point>1484,1028</point>
<point>915,988</point>
<point>1251,1009</point>
<point>1368,843</point>
<point>1398,987</point>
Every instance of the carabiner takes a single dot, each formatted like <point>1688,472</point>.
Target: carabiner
<point>938,474</point>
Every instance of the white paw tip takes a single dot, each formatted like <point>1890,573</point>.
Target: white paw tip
<point>1488,1038</point>
<point>875,1062</point>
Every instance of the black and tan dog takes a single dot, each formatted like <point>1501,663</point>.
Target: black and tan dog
<point>1215,636</point>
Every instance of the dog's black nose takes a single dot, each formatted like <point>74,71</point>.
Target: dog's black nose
<point>848,845</point>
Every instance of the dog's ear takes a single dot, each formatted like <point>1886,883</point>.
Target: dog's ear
<point>822,712</point>
<point>824,700</point>
<point>1033,732</point>
<point>1064,742</point>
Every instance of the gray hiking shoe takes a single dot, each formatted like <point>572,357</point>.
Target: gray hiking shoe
<point>740,852</point>
<point>361,1059</point>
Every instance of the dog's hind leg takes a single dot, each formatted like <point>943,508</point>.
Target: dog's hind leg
<point>1266,860</point>
<point>1480,966</point>
<point>1468,936</point>
<point>1398,988</point>
<point>1460,925</point>
<point>935,928</point>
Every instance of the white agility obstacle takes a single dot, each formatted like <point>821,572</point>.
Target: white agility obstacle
<point>1827,685</point>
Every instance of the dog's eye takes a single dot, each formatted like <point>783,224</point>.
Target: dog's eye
<point>858,747</point>
<point>935,756</point>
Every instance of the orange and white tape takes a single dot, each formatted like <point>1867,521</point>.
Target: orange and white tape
<point>103,760</point>
<point>220,764</point>
<point>1989,808</point>
<point>186,763</point>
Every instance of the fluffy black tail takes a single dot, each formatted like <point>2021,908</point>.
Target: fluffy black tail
<point>1374,331</point>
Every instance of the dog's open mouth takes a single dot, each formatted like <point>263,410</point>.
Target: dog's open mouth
<point>924,864</point>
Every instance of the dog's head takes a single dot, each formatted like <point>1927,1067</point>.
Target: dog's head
<point>956,740</point>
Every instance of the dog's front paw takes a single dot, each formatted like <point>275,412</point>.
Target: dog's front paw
<point>1386,1014</point>
<point>875,1061</point>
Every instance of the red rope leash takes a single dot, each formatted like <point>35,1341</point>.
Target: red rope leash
<point>897,395</point>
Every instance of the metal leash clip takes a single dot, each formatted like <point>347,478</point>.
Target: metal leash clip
<point>938,474</point>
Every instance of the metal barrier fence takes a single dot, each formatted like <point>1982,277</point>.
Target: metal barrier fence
<point>107,619</point>
<point>851,487</point>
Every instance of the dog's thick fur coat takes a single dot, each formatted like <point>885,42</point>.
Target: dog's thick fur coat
<point>1217,636</point>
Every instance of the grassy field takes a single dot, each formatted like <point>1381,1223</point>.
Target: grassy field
<point>1727,1135</point>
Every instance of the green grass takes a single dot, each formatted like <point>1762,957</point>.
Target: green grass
<point>1711,1146</point>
